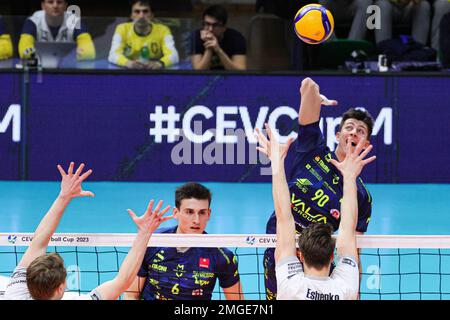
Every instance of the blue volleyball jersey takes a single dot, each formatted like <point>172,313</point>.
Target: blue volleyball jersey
<point>189,275</point>
<point>315,185</point>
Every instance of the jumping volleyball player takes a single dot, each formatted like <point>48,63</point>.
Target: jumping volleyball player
<point>315,186</point>
<point>310,280</point>
<point>41,276</point>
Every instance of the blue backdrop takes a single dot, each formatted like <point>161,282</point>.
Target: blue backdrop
<point>108,122</point>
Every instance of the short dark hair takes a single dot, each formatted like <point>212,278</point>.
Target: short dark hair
<point>218,12</point>
<point>192,190</point>
<point>317,245</point>
<point>44,275</point>
<point>146,3</point>
<point>360,115</point>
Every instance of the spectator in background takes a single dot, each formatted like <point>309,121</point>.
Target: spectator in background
<point>441,7</point>
<point>51,25</point>
<point>444,42</point>
<point>142,43</point>
<point>215,46</point>
<point>350,10</point>
<point>6,49</point>
<point>416,12</point>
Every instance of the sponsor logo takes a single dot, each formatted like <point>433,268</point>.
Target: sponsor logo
<point>335,213</point>
<point>12,238</point>
<point>197,292</point>
<point>348,261</point>
<point>203,262</point>
<point>250,240</point>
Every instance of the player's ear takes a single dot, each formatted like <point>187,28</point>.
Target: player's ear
<point>366,143</point>
<point>338,135</point>
<point>175,212</point>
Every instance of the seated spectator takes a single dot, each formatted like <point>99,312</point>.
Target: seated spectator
<point>444,42</point>
<point>6,49</point>
<point>416,12</point>
<point>350,10</point>
<point>215,46</point>
<point>441,8</point>
<point>51,25</point>
<point>143,43</point>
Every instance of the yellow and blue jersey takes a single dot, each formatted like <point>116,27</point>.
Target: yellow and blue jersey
<point>6,49</point>
<point>127,45</point>
<point>186,275</point>
<point>36,28</point>
<point>316,186</point>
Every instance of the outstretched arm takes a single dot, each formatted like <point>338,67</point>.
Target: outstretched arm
<point>350,168</point>
<point>147,224</point>
<point>70,188</point>
<point>280,190</point>
<point>311,101</point>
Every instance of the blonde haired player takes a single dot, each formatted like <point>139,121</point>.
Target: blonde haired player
<point>41,276</point>
<point>306,276</point>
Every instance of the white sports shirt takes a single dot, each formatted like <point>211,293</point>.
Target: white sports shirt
<point>17,289</point>
<point>293,284</point>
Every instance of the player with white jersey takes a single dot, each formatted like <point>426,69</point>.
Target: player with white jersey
<point>304,274</point>
<point>41,276</point>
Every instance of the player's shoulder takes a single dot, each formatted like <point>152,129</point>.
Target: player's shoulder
<point>37,15</point>
<point>221,255</point>
<point>166,230</point>
<point>160,27</point>
<point>234,33</point>
<point>124,27</point>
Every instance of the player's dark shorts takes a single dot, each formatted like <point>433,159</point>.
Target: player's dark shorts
<point>270,279</point>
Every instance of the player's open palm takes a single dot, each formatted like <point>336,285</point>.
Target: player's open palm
<point>270,146</point>
<point>152,218</point>
<point>354,160</point>
<point>71,182</point>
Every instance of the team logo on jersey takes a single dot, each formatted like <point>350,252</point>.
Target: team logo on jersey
<point>335,213</point>
<point>348,261</point>
<point>203,262</point>
<point>12,238</point>
<point>197,292</point>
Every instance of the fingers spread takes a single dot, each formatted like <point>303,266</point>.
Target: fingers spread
<point>70,171</point>
<point>80,169</point>
<point>61,170</point>
<point>85,175</point>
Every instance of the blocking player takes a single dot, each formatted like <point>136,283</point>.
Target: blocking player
<point>41,276</point>
<point>311,279</point>
<point>315,186</point>
<point>187,273</point>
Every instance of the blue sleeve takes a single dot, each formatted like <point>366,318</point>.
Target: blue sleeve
<point>77,32</point>
<point>309,138</point>
<point>143,270</point>
<point>364,213</point>
<point>2,26</point>
<point>29,28</point>
<point>196,43</point>
<point>228,272</point>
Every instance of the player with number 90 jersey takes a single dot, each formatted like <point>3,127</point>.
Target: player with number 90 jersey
<point>316,190</point>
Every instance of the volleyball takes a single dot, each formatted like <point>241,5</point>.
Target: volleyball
<point>313,23</point>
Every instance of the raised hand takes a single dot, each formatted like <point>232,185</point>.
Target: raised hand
<point>71,182</point>
<point>326,102</point>
<point>270,147</point>
<point>151,219</point>
<point>354,160</point>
